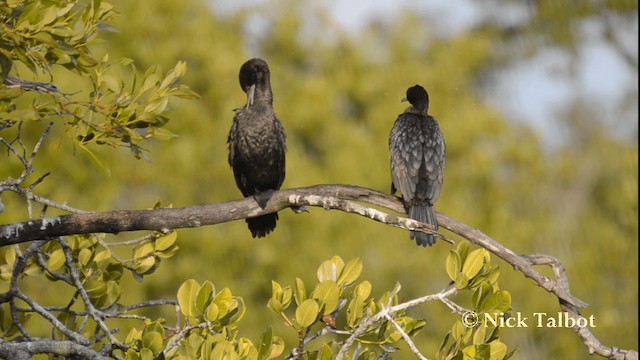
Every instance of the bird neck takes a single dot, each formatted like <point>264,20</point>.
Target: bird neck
<point>417,110</point>
<point>263,95</point>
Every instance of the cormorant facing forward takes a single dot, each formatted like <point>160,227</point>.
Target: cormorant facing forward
<point>257,144</point>
<point>418,156</point>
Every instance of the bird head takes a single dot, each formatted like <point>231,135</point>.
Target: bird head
<point>418,97</point>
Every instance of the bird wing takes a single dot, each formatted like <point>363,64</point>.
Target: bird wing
<point>231,140</point>
<point>417,153</point>
<point>238,168</point>
<point>281,161</point>
<point>434,159</point>
<point>406,155</point>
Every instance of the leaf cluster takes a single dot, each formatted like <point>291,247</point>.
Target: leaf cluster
<point>471,337</point>
<point>109,105</point>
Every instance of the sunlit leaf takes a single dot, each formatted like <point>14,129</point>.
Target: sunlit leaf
<point>187,297</point>
<point>307,312</point>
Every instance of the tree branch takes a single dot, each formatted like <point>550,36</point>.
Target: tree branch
<point>338,197</point>
<point>164,220</point>
<point>19,350</point>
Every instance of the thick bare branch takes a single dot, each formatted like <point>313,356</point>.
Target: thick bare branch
<point>327,196</point>
<point>26,349</point>
<point>339,197</point>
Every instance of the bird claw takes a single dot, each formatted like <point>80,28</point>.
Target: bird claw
<point>300,209</point>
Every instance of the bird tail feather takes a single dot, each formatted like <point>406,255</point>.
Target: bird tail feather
<point>425,214</point>
<point>262,225</point>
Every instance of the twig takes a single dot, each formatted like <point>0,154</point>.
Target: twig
<point>365,324</point>
<point>95,314</point>
<point>15,292</point>
<point>406,338</point>
<point>28,85</point>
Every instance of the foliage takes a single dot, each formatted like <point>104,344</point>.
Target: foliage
<point>207,325</point>
<point>337,94</point>
<point>116,112</point>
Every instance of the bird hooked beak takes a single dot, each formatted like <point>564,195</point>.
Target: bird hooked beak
<point>404,99</point>
<point>250,93</point>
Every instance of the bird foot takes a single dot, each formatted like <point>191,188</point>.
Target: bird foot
<point>300,209</point>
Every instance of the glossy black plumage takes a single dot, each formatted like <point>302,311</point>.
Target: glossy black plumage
<point>257,144</point>
<point>418,156</point>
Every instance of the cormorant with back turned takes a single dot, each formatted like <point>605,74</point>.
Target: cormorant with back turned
<point>418,154</point>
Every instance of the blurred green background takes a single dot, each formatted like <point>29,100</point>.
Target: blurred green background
<point>338,93</point>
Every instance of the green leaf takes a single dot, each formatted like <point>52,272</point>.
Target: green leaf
<point>470,352</point>
<point>9,253</point>
<point>132,355</point>
<point>187,297</point>
<point>325,353</point>
<point>493,275</point>
<point>212,313</point>
<point>165,242</point>
<point>178,71</point>
<point>146,354</point>
<point>143,266</point>
<point>300,292</point>
<point>84,257</point>
<point>328,295</point>
<point>479,335</point>
<point>355,310</point>
<point>266,343</point>
<point>153,341</point>
<point>150,80</point>
<point>498,302</point>
<point>163,134</point>
<point>453,264</point>
<point>224,295</point>
<point>462,281</point>
<point>275,305</point>
<point>6,272</point>
<point>350,272</point>
<point>276,290</point>
<point>246,350</point>
<point>396,289</point>
<point>144,249</point>
<point>112,294</point>
<point>204,296</point>
<point>156,107</point>
<point>474,262</point>
<point>463,250</point>
<point>95,288</point>
<point>330,269</point>
<point>157,326</point>
<point>479,295</point>
<point>287,295</point>
<point>278,347</point>
<point>497,350</point>
<point>56,260</point>
<point>166,254</point>
<point>459,332</point>
<point>112,84</point>
<point>307,313</point>
<point>225,302</point>
<point>183,91</point>
<point>363,290</point>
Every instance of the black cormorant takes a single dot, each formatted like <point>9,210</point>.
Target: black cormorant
<point>257,144</point>
<point>418,155</point>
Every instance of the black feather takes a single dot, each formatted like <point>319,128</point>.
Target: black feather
<point>257,144</point>
<point>418,155</point>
